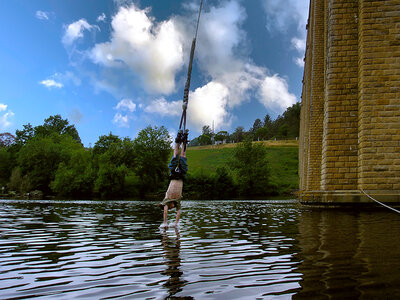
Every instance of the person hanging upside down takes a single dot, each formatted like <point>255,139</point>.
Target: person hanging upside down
<point>178,168</point>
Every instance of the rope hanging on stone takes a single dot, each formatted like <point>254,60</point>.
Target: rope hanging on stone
<point>187,85</point>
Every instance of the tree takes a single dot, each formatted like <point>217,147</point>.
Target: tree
<point>262,133</point>
<point>222,136</point>
<point>5,166</point>
<point>204,140</point>
<point>105,142</point>
<point>152,149</point>
<point>6,139</point>
<point>238,135</point>
<point>75,176</point>
<point>56,124</point>
<point>40,157</point>
<point>206,130</point>
<point>251,168</point>
<point>22,136</point>
<point>257,125</point>
<point>224,188</point>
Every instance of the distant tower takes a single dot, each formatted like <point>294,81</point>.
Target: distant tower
<point>350,114</point>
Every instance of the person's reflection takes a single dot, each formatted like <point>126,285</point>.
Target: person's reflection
<point>172,247</point>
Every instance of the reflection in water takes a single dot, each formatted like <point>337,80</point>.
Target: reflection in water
<point>223,250</point>
<point>172,247</point>
<point>349,255</point>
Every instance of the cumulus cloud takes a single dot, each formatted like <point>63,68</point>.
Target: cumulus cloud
<point>126,104</point>
<point>153,51</point>
<point>51,83</point>
<point>75,31</point>
<point>101,18</point>
<point>164,108</point>
<point>274,94</point>
<point>208,105</point>
<point>42,15</point>
<point>5,116</point>
<point>284,14</point>
<point>121,120</point>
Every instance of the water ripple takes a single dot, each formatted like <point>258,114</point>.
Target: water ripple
<point>222,250</point>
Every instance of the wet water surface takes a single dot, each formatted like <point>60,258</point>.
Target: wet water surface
<point>221,250</point>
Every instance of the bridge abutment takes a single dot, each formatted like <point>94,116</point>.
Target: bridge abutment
<point>350,117</point>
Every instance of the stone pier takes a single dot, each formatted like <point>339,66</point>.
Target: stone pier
<point>350,110</point>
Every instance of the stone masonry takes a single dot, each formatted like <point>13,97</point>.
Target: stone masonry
<point>350,110</point>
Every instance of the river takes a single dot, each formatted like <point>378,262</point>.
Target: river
<point>221,250</point>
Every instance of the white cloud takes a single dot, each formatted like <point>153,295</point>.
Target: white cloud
<point>42,15</point>
<point>299,61</point>
<point>51,83</point>
<point>126,104</point>
<point>121,120</point>
<point>282,14</point>
<point>208,104</point>
<point>155,52</point>
<point>101,18</point>
<point>75,31</point>
<point>274,94</point>
<point>152,51</point>
<point>5,116</point>
<point>162,107</point>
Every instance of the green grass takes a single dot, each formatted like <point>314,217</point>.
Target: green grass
<point>283,163</point>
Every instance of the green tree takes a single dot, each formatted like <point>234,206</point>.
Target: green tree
<point>204,140</point>
<point>5,166</point>
<point>222,136</point>
<point>152,149</point>
<point>105,142</point>
<point>262,133</point>
<point>225,187</point>
<point>75,177</point>
<point>206,130</point>
<point>238,135</point>
<point>110,181</point>
<point>251,168</point>
<point>22,136</point>
<point>40,157</point>
<point>56,124</point>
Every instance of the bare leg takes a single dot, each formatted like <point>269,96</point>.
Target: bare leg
<point>165,214</point>
<point>178,215</point>
<point>176,149</point>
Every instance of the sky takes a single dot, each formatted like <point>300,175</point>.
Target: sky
<point>119,66</point>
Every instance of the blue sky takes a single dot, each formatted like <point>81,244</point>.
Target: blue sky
<point>118,66</point>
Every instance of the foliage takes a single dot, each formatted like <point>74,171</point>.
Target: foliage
<point>74,177</point>
<point>251,168</point>
<point>41,156</point>
<point>238,135</point>
<point>56,124</point>
<point>204,140</point>
<point>222,136</point>
<point>6,139</point>
<point>152,149</point>
<point>5,166</point>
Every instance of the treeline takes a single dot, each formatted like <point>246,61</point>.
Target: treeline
<point>50,160</point>
<point>285,126</point>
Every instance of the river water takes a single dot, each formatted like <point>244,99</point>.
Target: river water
<point>221,250</point>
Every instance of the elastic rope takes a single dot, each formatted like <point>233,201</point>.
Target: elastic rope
<point>383,204</point>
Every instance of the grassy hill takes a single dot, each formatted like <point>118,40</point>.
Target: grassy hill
<point>281,155</point>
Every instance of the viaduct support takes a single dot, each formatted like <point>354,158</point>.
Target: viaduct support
<point>350,114</point>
